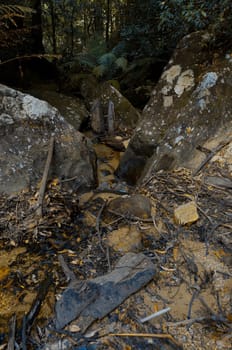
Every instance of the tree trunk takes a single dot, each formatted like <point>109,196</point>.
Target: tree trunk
<point>36,33</point>
<point>108,17</point>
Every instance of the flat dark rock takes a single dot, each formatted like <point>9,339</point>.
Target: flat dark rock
<point>90,300</point>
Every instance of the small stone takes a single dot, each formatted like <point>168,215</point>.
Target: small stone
<point>136,205</point>
<point>186,213</point>
<point>125,239</point>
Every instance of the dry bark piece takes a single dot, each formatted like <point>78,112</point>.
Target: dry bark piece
<point>90,300</point>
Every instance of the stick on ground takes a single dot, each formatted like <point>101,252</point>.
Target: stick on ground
<point>39,210</point>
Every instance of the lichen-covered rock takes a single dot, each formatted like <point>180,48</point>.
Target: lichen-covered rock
<point>190,104</point>
<point>73,109</point>
<point>26,126</point>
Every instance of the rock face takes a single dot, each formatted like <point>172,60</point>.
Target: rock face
<point>71,108</point>
<point>87,86</point>
<point>190,105</point>
<point>26,125</point>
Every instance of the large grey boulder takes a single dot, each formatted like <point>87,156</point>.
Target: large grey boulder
<point>72,108</point>
<point>26,126</point>
<point>190,105</point>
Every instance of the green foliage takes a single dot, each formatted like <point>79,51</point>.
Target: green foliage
<point>96,46</point>
<point>121,62</point>
<point>10,32</point>
<point>99,71</point>
<point>87,60</point>
<point>180,17</point>
<point>107,59</point>
<point>10,12</point>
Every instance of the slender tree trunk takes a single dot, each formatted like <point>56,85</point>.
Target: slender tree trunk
<point>72,30</point>
<point>108,17</point>
<point>53,21</point>
<point>37,36</point>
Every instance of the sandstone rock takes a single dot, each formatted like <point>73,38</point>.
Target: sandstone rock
<point>186,213</point>
<point>126,116</point>
<point>136,206</point>
<point>125,239</point>
<point>71,108</point>
<point>26,125</point>
<point>190,105</point>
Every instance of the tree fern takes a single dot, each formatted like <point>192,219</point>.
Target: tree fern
<point>10,12</point>
<point>121,62</point>
<point>107,59</point>
<point>99,71</point>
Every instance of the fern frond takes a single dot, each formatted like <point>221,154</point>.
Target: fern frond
<point>15,10</point>
<point>11,12</point>
<point>99,71</point>
<point>107,59</point>
<point>87,60</point>
<point>121,62</point>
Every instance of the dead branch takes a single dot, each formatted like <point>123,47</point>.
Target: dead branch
<point>146,335</point>
<point>70,275</point>
<point>210,156</point>
<point>12,327</point>
<point>111,118</point>
<point>26,57</point>
<point>39,210</point>
<point>98,225</point>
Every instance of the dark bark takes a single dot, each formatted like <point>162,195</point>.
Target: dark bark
<point>36,33</point>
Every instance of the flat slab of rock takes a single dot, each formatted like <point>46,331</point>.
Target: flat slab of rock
<point>90,300</point>
<point>26,126</point>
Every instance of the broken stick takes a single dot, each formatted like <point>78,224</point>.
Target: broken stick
<point>211,155</point>
<point>39,210</point>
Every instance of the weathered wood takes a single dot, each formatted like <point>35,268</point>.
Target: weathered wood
<point>97,119</point>
<point>39,210</point>
<point>211,155</point>
<point>12,327</point>
<point>110,118</point>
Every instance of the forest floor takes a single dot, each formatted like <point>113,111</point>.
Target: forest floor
<point>192,257</point>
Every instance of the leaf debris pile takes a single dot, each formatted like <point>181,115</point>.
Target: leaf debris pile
<point>193,258</point>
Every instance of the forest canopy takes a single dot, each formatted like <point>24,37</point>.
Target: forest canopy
<point>107,34</point>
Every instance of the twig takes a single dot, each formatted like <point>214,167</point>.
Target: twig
<point>195,294</point>
<point>203,213</point>
<point>210,156</point>
<point>187,322</point>
<point>12,327</point>
<point>36,305</point>
<point>110,118</point>
<point>24,335</point>
<point>131,217</point>
<point>190,321</point>
<point>98,225</point>
<point>108,258</point>
<point>145,335</point>
<point>156,314</point>
<point>29,57</point>
<point>69,274</point>
<point>39,210</point>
